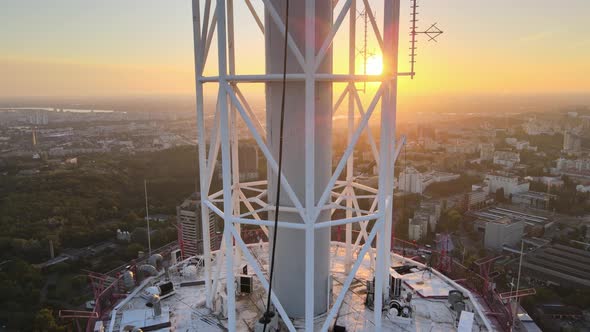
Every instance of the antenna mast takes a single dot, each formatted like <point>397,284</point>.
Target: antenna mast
<point>364,15</point>
<point>147,219</point>
<point>432,32</point>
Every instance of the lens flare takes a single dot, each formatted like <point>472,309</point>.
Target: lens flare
<point>374,65</point>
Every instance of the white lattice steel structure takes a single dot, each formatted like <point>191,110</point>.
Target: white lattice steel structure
<point>308,54</point>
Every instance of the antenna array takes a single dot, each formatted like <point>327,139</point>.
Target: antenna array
<point>364,52</point>
<point>432,33</point>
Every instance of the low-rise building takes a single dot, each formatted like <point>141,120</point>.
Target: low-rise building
<point>477,198</point>
<point>520,145</point>
<point>574,168</point>
<point>552,182</point>
<point>580,165</point>
<point>430,144</point>
<point>411,180</point>
<point>560,317</point>
<point>417,228</point>
<point>559,264</point>
<point>535,127</point>
<point>534,224</point>
<point>460,146</point>
<point>424,220</point>
<point>533,199</point>
<point>432,210</point>
<point>503,232</point>
<point>495,213</point>
<point>511,184</point>
<point>511,140</point>
<point>506,158</point>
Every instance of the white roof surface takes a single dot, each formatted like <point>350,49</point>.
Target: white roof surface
<point>423,283</point>
<point>187,312</point>
<point>144,317</point>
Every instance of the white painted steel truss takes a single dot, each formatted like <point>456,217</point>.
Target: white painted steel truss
<point>217,17</point>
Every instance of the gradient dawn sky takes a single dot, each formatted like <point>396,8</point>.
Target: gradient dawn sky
<point>135,47</point>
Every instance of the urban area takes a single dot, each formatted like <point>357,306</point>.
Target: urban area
<point>494,199</point>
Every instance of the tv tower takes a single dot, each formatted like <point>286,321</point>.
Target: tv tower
<point>300,86</point>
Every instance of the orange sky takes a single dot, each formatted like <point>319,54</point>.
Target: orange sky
<point>66,48</point>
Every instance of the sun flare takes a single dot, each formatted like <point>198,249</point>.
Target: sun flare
<point>374,65</point>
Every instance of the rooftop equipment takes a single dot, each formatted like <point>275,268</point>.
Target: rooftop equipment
<point>156,261</point>
<point>459,307</point>
<point>271,321</point>
<point>396,287</point>
<point>147,270</point>
<point>245,284</point>
<point>454,297</point>
<point>370,298</point>
<point>166,289</point>
<point>128,280</point>
<point>154,303</point>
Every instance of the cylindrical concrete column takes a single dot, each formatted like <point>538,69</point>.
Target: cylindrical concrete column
<point>289,275</point>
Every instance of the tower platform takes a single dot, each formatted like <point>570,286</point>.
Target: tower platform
<point>185,309</point>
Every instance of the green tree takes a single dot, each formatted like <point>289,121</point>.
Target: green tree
<point>132,249</point>
<point>45,322</point>
<point>132,217</point>
<point>20,288</point>
<point>450,221</point>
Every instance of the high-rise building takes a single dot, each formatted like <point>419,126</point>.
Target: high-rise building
<point>477,197</point>
<point>571,142</point>
<point>486,151</point>
<point>410,180</point>
<point>38,117</point>
<point>248,161</point>
<point>190,231</point>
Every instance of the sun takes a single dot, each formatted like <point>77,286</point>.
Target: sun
<point>374,65</point>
